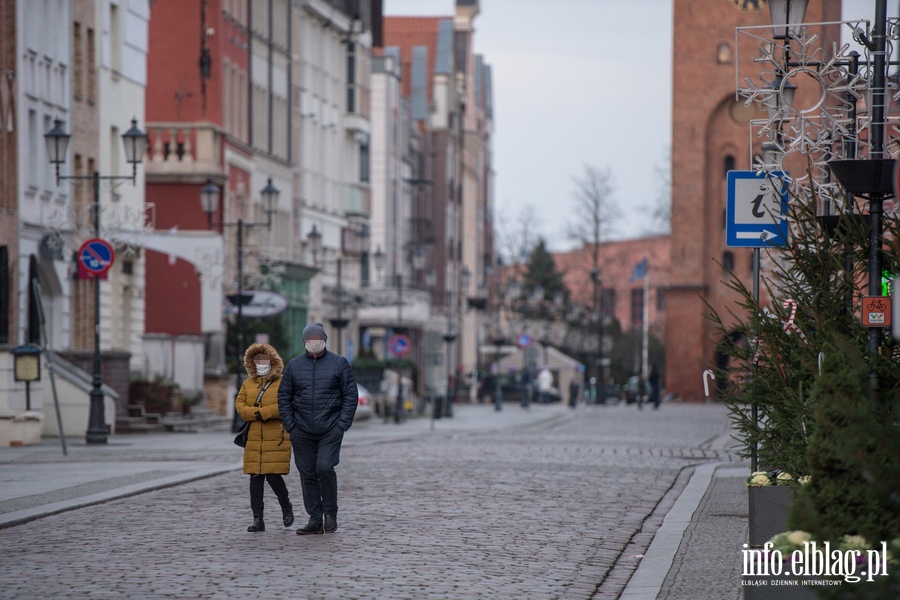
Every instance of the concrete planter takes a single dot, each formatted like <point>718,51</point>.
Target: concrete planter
<point>20,428</point>
<point>769,507</point>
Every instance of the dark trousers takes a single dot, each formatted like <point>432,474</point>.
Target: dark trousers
<point>316,456</point>
<point>276,482</point>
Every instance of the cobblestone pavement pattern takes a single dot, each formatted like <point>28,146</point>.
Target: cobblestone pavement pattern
<point>546,511</point>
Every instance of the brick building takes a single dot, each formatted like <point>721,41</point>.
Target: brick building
<point>710,135</point>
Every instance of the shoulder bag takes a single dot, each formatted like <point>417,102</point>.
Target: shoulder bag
<point>241,438</point>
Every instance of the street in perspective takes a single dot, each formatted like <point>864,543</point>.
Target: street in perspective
<point>543,502</point>
<point>432,299</point>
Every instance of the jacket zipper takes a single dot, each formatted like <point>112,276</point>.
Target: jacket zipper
<point>263,397</point>
<point>313,403</point>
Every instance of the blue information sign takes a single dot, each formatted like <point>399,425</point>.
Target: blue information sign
<point>757,208</point>
<point>524,340</point>
<point>96,256</point>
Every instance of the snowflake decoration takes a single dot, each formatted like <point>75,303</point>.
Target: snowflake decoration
<point>825,129</point>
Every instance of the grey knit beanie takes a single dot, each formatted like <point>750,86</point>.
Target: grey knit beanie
<point>313,328</point>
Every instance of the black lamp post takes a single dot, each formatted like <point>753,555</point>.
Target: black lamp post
<point>314,237</point>
<point>597,280</point>
<point>135,142</point>
<point>209,201</point>
<point>465,277</point>
<point>417,259</point>
<point>449,338</point>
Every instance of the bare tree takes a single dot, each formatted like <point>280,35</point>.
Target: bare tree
<point>517,236</point>
<point>661,208</point>
<point>595,214</point>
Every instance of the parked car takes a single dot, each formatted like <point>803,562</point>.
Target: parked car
<point>364,407</point>
<point>512,386</point>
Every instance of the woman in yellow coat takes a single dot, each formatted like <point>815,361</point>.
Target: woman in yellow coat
<point>267,455</point>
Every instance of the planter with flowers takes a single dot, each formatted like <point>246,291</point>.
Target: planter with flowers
<point>794,566</point>
<point>770,494</point>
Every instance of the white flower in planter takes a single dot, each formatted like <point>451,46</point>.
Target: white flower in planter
<point>854,542</point>
<point>785,478</point>
<point>797,538</point>
<point>760,480</point>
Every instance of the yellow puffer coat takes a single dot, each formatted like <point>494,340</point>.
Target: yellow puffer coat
<point>268,449</point>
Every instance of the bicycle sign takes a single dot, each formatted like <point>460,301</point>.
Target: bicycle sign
<point>876,311</point>
<point>96,256</point>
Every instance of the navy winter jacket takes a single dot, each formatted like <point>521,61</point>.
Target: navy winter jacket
<point>317,393</point>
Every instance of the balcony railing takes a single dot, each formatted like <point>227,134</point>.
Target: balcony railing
<point>183,149</point>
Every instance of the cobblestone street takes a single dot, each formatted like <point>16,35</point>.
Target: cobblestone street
<point>553,510</point>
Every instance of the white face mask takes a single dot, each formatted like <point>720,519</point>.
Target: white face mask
<point>263,370</point>
<point>315,347</point>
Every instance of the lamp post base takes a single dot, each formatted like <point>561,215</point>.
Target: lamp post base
<point>96,433</point>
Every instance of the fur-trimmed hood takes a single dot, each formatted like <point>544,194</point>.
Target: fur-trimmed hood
<point>277,363</point>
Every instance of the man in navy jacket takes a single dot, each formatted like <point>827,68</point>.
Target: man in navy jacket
<point>317,399</point>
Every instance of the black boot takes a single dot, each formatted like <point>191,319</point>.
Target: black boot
<point>311,528</point>
<point>256,502</point>
<point>287,513</point>
<point>258,524</point>
<point>276,482</point>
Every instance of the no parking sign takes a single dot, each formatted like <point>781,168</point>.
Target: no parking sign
<point>95,257</point>
<point>399,345</point>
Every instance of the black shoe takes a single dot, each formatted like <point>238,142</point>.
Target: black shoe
<point>311,528</point>
<point>258,524</point>
<point>287,514</point>
<point>330,523</point>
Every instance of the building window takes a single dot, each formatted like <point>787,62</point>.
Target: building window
<point>91,67</point>
<point>729,163</point>
<point>364,161</point>
<point>637,306</point>
<point>723,53</point>
<point>115,39</point>
<point>728,260</point>
<point>608,302</point>
<point>32,148</point>
<point>660,300</point>
<point>78,59</point>
<point>351,77</point>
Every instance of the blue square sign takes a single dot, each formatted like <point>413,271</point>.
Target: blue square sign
<point>757,208</point>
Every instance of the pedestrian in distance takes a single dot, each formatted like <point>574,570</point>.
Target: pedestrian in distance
<point>653,379</point>
<point>574,388</point>
<point>267,455</point>
<point>318,397</point>
<point>545,384</point>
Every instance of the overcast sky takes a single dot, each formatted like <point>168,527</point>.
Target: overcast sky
<point>571,88</point>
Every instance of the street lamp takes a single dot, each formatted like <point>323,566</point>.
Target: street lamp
<point>465,277</point>
<point>449,338</point>
<point>380,259</point>
<point>315,242</point>
<point>597,279</point>
<point>135,142</point>
<point>209,202</point>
